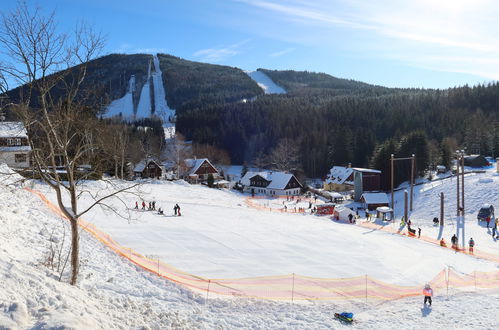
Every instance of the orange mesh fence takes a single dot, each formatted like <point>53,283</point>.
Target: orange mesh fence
<point>252,202</point>
<point>288,287</point>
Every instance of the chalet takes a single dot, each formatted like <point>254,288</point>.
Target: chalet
<point>14,146</point>
<point>475,161</point>
<point>371,201</point>
<point>358,179</point>
<point>148,168</point>
<point>271,183</point>
<point>198,170</point>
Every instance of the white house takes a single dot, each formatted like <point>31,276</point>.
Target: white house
<point>271,183</point>
<point>14,146</point>
<point>371,201</point>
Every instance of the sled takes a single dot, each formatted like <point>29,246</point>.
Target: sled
<point>344,317</point>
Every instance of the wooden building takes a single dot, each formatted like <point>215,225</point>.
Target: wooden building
<point>271,183</point>
<point>198,170</point>
<point>14,147</point>
<point>148,169</point>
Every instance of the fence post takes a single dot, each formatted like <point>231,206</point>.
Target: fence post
<point>447,281</point>
<point>474,275</point>
<point>366,289</point>
<point>293,289</point>
<point>208,291</point>
<point>158,266</point>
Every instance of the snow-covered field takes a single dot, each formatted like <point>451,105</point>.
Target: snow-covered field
<point>265,83</point>
<point>218,235</point>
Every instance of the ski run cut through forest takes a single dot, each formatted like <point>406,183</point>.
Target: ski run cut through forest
<point>221,236</point>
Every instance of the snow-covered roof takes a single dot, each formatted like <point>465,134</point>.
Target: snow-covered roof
<point>278,180</point>
<point>194,164</point>
<point>142,165</point>
<point>15,148</point>
<point>375,198</point>
<point>339,175</point>
<point>366,170</point>
<point>12,129</point>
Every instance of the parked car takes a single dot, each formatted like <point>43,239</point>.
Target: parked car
<point>486,211</point>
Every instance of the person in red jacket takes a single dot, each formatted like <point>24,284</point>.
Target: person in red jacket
<point>428,293</point>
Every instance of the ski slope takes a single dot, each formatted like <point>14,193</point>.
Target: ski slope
<point>123,106</point>
<point>162,109</point>
<point>218,236</point>
<point>265,83</point>
<point>114,294</point>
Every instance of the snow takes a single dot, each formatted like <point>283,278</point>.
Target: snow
<point>162,108</point>
<point>218,235</point>
<point>124,105</point>
<point>375,198</point>
<point>11,129</point>
<point>144,107</point>
<point>265,83</point>
<point>15,148</point>
<point>339,175</point>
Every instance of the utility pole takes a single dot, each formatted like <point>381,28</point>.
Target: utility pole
<point>441,209</point>
<point>462,188</point>
<point>392,175</point>
<point>458,205</point>
<point>405,207</point>
<point>412,177</point>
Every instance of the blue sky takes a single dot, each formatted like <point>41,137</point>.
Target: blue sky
<point>399,43</point>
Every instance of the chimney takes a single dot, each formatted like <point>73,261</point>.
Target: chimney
<point>349,165</point>
<point>497,164</point>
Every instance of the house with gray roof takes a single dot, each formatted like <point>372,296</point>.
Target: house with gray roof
<point>14,147</point>
<point>271,183</point>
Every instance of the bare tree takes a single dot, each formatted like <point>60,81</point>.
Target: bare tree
<point>55,109</point>
<point>285,156</point>
<point>176,151</point>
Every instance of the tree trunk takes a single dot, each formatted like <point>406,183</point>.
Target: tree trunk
<point>75,251</point>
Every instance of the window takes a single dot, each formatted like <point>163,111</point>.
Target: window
<point>20,158</point>
<point>14,142</point>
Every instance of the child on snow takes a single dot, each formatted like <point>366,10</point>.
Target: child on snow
<point>428,293</point>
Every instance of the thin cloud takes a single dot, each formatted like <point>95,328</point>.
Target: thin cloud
<point>442,28</point>
<point>221,53</point>
<point>282,52</point>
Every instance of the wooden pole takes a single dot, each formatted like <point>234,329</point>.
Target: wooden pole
<point>457,180</point>
<point>405,206</point>
<point>441,209</point>
<point>392,175</point>
<point>462,188</point>
<point>413,163</point>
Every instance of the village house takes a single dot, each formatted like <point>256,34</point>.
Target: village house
<point>148,168</point>
<point>271,183</point>
<point>14,147</point>
<point>371,201</point>
<point>360,180</point>
<point>475,161</point>
<point>198,170</point>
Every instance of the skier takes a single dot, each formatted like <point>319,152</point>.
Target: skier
<point>428,293</point>
<point>472,244</point>
<point>454,242</point>
<point>136,205</point>
<point>175,209</point>
<point>178,210</point>
<point>143,205</point>
<point>419,232</point>
<point>160,211</point>
<point>350,217</point>
<point>154,205</point>
<point>442,243</point>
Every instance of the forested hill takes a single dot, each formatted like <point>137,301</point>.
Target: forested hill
<point>329,121</point>
<point>194,84</point>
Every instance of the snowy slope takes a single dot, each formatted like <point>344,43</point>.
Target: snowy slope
<point>113,294</point>
<point>265,83</point>
<point>162,108</point>
<point>218,236</point>
<point>124,105</point>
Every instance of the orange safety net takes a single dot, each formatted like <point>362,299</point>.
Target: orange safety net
<point>288,287</point>
<point>252,202</point>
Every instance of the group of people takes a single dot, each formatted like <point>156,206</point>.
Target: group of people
<point>494,225</point>
<point>454,241</point>
<point>152,207</point>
